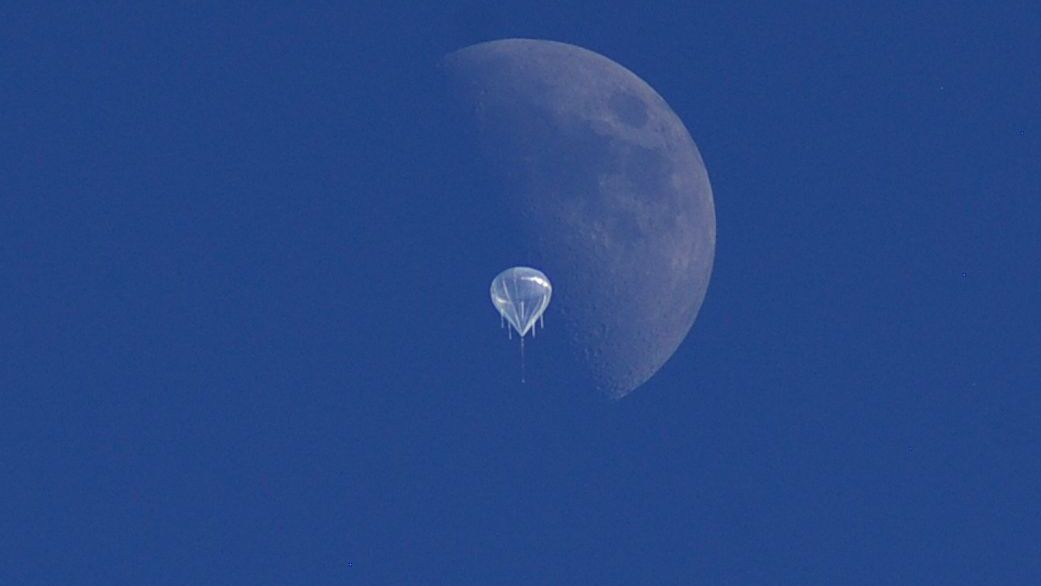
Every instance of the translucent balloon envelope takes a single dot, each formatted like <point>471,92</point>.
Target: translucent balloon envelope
<point>521,294</point>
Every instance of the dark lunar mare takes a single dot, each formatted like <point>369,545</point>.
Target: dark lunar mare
<point>592,178</point>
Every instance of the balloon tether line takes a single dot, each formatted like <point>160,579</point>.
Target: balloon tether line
<point>522,359</point>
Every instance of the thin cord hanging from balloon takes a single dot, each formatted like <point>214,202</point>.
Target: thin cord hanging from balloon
<point>522,359</point>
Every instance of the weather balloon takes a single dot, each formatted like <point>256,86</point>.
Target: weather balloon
<point>521,295</point>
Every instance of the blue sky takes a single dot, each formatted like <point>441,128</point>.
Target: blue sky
<point>243,334</point>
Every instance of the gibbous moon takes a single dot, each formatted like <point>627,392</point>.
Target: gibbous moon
<point>609,194</point>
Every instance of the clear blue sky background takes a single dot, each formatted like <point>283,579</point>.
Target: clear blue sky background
<point>240,342</point>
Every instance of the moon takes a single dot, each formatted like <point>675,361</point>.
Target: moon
<point>608,194</point>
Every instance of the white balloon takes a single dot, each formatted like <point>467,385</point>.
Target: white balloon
<point>521,294</point>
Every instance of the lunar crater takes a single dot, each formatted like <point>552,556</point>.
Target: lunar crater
<point>629,109</point>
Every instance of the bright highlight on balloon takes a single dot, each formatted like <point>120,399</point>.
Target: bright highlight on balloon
<point>521,295</point>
